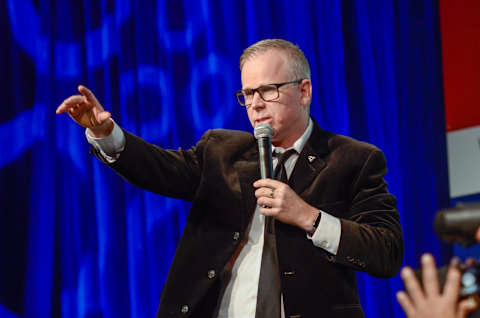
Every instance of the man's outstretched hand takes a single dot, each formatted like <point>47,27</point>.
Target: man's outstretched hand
<point>86,111</point>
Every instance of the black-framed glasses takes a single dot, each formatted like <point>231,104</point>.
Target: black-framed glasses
<point>267,92</point>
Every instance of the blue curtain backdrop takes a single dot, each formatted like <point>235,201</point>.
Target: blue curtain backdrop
<point>77,241</point>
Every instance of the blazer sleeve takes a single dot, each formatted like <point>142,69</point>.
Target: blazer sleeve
<point>371,236</point>
<point>173,173</point>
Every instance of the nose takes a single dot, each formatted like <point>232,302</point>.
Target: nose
<point>257,101</point>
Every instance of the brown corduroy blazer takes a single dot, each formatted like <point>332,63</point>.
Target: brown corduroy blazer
<point>345,179</point>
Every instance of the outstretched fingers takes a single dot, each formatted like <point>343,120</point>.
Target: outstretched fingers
<point>429,276</point>
<point>412,285</point>
<point>89,96</point>
<point>71,103</point>
<point>452,284</point>
<point>406,303</point>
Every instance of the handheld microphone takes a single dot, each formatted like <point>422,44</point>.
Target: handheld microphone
<point>263,132</point>
<point>458,225</point>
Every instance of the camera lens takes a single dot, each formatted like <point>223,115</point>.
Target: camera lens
<point>470,279</point>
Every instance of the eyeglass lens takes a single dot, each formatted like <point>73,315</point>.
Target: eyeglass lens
<point>266,92</point>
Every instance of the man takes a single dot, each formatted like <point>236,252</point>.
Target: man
<point>332,216</point>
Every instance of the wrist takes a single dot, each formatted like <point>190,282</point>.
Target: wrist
<point>314,224</point>
<point>103,130</point>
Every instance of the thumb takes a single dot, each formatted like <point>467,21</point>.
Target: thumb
<point>103,116</point>
<point>466,306</point>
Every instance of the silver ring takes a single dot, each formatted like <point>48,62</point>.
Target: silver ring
<point>272,193</point>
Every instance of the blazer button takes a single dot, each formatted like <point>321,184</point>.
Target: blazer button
<point>211,274</point>
<point>236,236</point>
<point>185,309</point>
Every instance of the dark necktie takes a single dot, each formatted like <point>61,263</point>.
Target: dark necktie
<point>269,289</point>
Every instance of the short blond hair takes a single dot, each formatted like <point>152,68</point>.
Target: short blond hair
<point>298,63</point>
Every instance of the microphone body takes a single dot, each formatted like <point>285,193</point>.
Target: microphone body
<point>458,225</point>
<point>263,133</point>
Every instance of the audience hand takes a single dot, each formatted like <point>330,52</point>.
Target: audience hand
<point>429,302</point>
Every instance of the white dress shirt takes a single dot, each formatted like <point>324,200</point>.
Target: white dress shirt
<point>240,297</point>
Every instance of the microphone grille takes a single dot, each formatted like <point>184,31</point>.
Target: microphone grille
<point>263,130</point>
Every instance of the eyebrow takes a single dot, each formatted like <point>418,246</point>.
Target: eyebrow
<point>245,88</point>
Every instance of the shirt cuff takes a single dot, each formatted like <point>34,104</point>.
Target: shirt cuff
<point>111,146</point>
<point>327,234</point>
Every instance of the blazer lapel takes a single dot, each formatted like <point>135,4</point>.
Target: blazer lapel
<point>309,164</point>
<point>311,160</point>
<point>248,172</point>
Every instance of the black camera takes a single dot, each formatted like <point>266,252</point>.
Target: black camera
<point>459,225</point>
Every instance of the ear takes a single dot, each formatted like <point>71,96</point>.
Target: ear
<point>305,91</point>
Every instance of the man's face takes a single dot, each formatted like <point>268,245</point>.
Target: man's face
<point>288,115</point>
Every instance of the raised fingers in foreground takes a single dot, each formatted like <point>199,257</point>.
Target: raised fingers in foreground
<point>430,301</point>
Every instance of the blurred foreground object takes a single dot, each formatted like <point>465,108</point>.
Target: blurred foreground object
<point>459,224</point>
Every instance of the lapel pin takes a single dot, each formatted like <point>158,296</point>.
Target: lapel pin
<point>311,158</point>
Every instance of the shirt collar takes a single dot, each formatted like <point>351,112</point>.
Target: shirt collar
<point>300,142</point>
